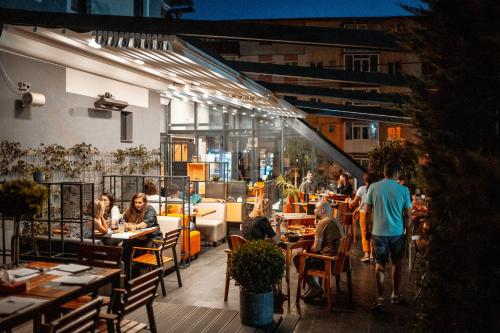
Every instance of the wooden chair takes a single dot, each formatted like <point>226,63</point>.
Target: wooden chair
<point>234,242</point>
<point>341,264</point>
<point>138,292</point>
<point>154,256</point>
<point>83,319</point>
<point>96,256</point>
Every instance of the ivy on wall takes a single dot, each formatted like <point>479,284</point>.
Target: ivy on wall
<point>72,161</point>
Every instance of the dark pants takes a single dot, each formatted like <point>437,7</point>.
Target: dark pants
<point>311,263</point>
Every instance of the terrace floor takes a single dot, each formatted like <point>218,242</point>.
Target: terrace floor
<point>203,291</point>
<point>203,285</point>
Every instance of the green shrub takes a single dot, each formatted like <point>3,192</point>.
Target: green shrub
<point>21,198</point>
<point>257,266</point>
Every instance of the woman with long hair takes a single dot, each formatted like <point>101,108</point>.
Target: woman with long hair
<point>99,222</point>
<point>111,212</point>
<point>359,201</point>
<point>138,216</point>
<point>256,225</point>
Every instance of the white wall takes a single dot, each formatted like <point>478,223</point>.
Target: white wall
<point>65,118</point>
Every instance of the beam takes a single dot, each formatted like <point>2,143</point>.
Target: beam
<point>231,30</point>
<point>322,92</point>
<point>352,112</point>
<point>319,73</point>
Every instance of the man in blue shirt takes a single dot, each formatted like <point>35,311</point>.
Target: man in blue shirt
<point>390,204</point>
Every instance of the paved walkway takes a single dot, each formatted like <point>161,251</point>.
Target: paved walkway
<point>203,285</point>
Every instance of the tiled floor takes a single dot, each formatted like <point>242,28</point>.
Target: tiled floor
<point>203,285</point>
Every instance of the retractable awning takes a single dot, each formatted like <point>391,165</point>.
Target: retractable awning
<point>167,63</point>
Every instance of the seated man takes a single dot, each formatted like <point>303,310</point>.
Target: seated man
<point>344,186</point>
<point>326,241</point>
<point>308,185</point>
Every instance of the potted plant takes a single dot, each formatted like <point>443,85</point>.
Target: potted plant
<point>256,267</point>
<point>20,199</point>
<point>38,174</point>
<point>289,190</point>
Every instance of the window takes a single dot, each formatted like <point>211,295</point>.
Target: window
<point>394,132</point>
<point>126,126</point>
<point>394,68</point>
<point>357,132</point>
<point>331,128</point>
<point>361,62</point>
<point>317,64</point>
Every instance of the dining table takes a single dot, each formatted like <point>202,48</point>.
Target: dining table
<point>303,242</point>
<point>48,288</point>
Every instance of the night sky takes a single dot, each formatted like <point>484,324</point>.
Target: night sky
<point>249,9</point>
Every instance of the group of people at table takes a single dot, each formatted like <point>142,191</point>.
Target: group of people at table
<point>384,208</point>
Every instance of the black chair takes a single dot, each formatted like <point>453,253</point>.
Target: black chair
<point>83,319</point>
<point>154,256</point>
<point>138,292</point>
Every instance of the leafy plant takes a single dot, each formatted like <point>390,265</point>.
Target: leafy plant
<point>401,151</point>
<point>455,108</point>
<point>22,198</point>
<point>257,265</point>
<point>9,152</point>
<point>286,187</point>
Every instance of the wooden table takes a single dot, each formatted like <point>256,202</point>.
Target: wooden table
<point>288,247</point>
<point>49,295</point>
<point>131,234</point>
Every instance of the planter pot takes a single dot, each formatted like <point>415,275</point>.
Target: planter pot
<point>256,309</point>
<point>38,177</point>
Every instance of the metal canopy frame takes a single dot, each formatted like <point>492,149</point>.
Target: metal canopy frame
<point>322,92</point>
<point>231,30</point>
<point>369,78</point>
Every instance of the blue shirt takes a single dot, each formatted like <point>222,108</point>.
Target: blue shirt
<point>195,198</point>
<point>388,199</point>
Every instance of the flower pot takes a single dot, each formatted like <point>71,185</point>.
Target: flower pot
<point>39,176</point>
<point>256,309</point>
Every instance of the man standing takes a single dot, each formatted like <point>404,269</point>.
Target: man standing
<point>326,241</point>
<point>391,207</point>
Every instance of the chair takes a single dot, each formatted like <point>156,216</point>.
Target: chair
<point>83,319</point>
<point>138,292</point>
<point>234,242</point>
<point>100,255</point>
<point>154,256</point>
<point>96,256</point>
<point>341,264</point>
<point>419,243</point>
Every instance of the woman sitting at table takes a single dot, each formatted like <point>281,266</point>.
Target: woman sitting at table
<point>138,216</point>
<point>344,186</point>
<point>100,224</point>
<point>111,212</point>
<point>256,226</point>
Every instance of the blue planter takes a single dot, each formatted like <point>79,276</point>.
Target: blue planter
<point>256,309</point>
<point>38,177</point>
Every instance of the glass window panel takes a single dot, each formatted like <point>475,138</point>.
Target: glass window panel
<point>112,7</point>
<point>355,133</point>
<point>365,133</point>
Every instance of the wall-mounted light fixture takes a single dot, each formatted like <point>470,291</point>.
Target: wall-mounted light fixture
<point>107,102</point>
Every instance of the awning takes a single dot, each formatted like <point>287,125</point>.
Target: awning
<point>169,64</point>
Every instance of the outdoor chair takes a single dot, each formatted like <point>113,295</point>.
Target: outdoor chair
<point>234,242</point>
<point>341,263</point>
<point>154,256</point>
<point>96,256</point>
<point>138,292</point>
<point>83,319</point>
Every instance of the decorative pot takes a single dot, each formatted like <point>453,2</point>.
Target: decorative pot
<point>39,176</point>
<point>256,309</point>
